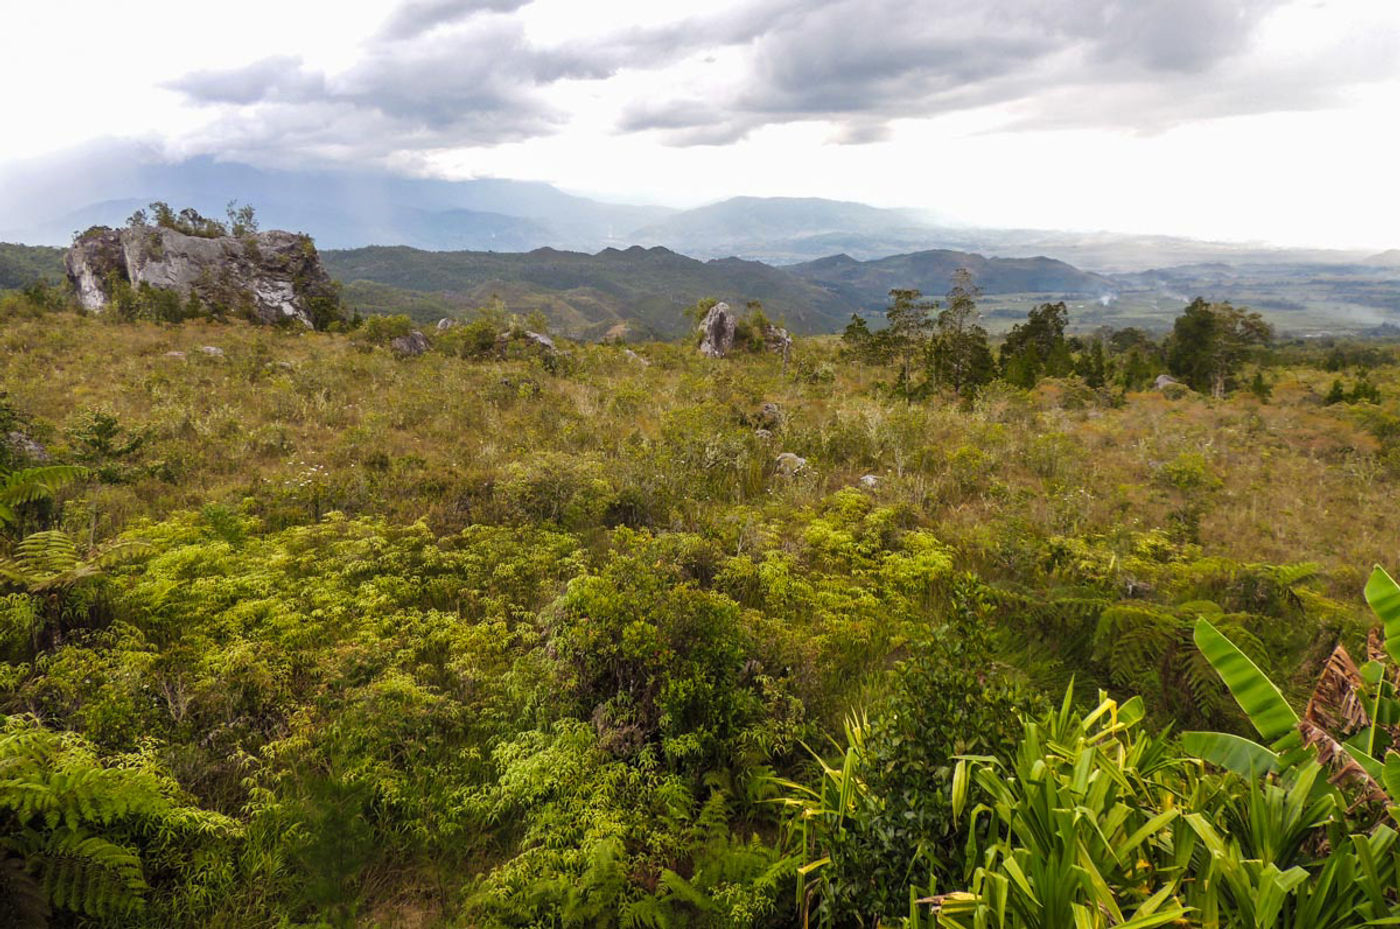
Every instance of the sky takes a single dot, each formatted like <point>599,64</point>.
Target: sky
<point>1265,120</point>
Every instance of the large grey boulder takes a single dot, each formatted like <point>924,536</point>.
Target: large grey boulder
<point>415,343</point>
<point>267,276</point>
<point>718,330</point>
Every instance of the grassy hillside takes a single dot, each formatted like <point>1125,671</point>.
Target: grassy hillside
<point>327,636</point>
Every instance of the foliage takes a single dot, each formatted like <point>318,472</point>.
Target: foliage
<point>484,639</point>
<point>1210,341</point>
<point>960,357</point>
<point>1037,348</point>
<point>79,836</point>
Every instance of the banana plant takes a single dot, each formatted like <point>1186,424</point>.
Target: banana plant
<point>1351,714</point>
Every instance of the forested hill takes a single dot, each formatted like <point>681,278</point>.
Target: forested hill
<point>21,265</point>
<point>639,291</point>
<point>644,289</point>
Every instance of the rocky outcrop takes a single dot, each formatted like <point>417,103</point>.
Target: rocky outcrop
<point>415,343</point>
<point>268,277</point>
<point>718,331</point>
<point>20,445</point>
<point>777,340</point>
<point>790,464</point>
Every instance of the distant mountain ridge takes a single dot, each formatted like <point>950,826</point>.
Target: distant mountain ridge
<point>48,201</point>
<point>866,284</point>
<point>637,292</point>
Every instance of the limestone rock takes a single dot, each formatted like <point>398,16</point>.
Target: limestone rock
<point>445,324</point>
<point>718,329</point>
<point>790,464</point>
<point>212,351</point>
<point>637,358</point>
<point>870,481</point>
<point>770,415</point>
<point>415,343</point>
<point>1164,381</point>
<point>268,276</point>
<point>540,339</point>
<point>174,355</point>
<point>777,340</point>
<point>24,446</point>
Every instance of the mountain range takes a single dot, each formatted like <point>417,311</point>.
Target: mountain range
<point>643,291</point>
<point>432,247</point>
<point>46,202</point>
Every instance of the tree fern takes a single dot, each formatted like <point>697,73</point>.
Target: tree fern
<point>68,823</point>
<point>33,484</point>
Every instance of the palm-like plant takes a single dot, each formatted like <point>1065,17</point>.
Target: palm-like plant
<point>1083,830</point>
<point>1351,716</point>
<point>69,826</point>
<point>30,485</point>
<point>48,566</point>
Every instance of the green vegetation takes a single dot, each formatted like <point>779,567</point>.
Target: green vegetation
<point>242,220</point>
<point>906,628</point>
<point>23,265</point>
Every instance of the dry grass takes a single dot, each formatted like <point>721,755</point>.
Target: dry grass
<point>292,424</point>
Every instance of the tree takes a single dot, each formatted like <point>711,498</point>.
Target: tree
<point>1092,365</point>
<point>241,219</point>
<point>1037,347</point>
<point>908,331</point>
<point>1210,342</point>
<point>961,357</point>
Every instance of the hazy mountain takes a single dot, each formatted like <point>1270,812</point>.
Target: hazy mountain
<point>636,291</point>
<point>340,209</point>
<point>48,200</point>
<point>787,229</point>
<point>866,284</point>
<point>1386,259</point>
<point>1304,297</point>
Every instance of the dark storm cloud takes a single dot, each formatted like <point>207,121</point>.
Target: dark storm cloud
<point>464,73</point>
<point>861,63</point>
<point>475,84</point>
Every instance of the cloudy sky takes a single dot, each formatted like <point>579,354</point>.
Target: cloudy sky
<point>1273,120</point>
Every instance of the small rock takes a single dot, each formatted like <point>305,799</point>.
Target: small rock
<point>445,324</point>
<point>541,340</point>
<point>26,447</point>
<point>174,354</point>
<point>213,351</point>
<point>770,415</point>
<point>718,327</point>
<point>869,480</point>
<point>790,464</point>
<point>1164,381</point>
<point>763,434</point>
<point>635,357</point>
<point>415,343</point>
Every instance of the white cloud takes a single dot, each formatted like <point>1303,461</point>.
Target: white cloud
<point>1213,118</point>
